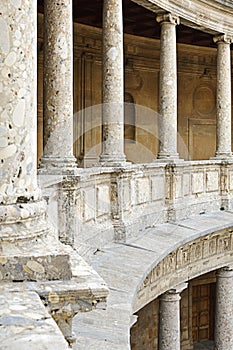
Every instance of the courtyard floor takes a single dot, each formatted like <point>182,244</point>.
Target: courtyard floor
<point>207,345</point>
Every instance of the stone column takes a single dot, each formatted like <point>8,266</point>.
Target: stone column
<point>169,319</point>
<point>58,86</point>
<point>113,85</point>
<point>25,252</point>
<point>168,87</point>
<point>223,149</point>
<point>224,309</point>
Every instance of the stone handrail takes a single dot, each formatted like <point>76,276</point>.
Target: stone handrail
<point>101,205</point>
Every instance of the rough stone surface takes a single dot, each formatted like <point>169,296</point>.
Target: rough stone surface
<point>81,293</point>
<point>223,97</point>
<point>168,87</point>
<point>29,250</point>
<point>58,86</point>
<point>224,310</point>
<point>18,103</point>
<point>113,84</point>
<point>169,321</point>
<point>130,205</point>
<point>26,325</point>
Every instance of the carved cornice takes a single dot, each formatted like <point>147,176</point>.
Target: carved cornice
<point>204,15</point>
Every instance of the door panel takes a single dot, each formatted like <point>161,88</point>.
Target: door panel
<point>203,301</point>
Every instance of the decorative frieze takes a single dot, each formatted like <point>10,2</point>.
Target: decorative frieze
<point>197,256</point>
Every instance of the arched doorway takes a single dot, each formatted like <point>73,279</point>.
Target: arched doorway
<point>197,310</point>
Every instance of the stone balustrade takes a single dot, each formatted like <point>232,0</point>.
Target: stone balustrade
<point>101,205</point>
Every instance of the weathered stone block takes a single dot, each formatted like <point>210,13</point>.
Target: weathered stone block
<point>186,184</point>
<point>126,194</point>
<point>231,180</point>
<point>158,187</point>
<point>89,204</point>
<point>212,179</point>
<point>143,190</point>
<point>103,200</point>
<point>197,182</point>
<point>178,186</point>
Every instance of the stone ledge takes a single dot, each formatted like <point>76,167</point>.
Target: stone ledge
<point>25,324</point>
<point>85,291</point>
<point>41,258</point>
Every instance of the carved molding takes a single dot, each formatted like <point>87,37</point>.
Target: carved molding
<point>223,38</point>
<point>168,18</point>
<point>192,259</point>
<point>198,14</point>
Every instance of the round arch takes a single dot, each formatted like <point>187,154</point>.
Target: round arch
<point>191,259</point>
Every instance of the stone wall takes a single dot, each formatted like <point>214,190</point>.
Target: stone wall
<point>144,333</point>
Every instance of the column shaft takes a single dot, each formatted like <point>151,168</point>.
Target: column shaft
<point>28,250</point>
<point>168,88</point>
<point>223,149</point>
<point>113,85</point>
<point>224,310</point>
<point>169,319</point>
<point>58,85</point>
<point>18,106</point>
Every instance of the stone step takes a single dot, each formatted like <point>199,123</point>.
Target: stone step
<point>25,324</point>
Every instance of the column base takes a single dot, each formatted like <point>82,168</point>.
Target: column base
<point>165,158</point>
<point>112,161</point>
<point>58,166</point>
<point>29,249</point>
<point>222,156</point>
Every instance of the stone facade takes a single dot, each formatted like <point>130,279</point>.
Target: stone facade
<point>147,204</point>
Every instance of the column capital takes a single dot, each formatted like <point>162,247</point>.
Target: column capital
<point>225,272</point>
<point>223,38</point>
<point>174,293</point>
<point>168,18</point>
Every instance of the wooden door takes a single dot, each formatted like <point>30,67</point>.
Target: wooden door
<point>203,305</point>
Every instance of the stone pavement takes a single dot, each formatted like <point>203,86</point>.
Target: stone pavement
<point>207,345</point>
<point>125,267</point>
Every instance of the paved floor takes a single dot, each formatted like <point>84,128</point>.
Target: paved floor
<point>207,345</point>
